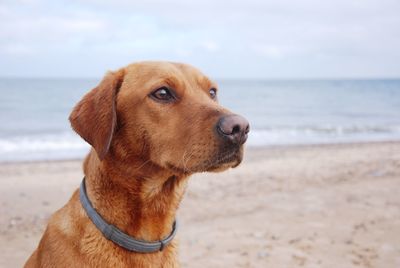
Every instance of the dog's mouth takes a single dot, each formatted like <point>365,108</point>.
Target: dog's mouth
<point>226,159</point>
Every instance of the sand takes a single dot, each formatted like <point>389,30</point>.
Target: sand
<point>304,206</point>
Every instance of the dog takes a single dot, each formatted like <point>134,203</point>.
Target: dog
<point>151,125</point>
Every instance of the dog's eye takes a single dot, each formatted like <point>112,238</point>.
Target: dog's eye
<point>213,93</point>
<point>163,94</point>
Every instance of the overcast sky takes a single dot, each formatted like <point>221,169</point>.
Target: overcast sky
<point>226,39</point>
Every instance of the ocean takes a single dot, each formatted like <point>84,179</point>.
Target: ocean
<point>34,113</point>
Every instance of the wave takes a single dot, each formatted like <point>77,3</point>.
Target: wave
<point>68,145</point>
<point>283,135</point>
<point>42,147</point>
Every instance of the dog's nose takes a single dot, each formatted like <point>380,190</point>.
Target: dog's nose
<point>233,127</point>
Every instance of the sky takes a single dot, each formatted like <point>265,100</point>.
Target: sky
<point>252,39</point>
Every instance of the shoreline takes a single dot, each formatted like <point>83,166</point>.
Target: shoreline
<point>329,205</point>
<point>248,148</point>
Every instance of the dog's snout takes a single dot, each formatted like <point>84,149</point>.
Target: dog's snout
<point>233,127</point>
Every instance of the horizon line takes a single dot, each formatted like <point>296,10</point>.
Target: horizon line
<point>222,79</point>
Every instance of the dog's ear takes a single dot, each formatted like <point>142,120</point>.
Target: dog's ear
<point>94,117</point>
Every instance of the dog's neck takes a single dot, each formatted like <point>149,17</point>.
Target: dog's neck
<point>141,205</point>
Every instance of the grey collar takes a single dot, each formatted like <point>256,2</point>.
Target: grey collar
<point>120,238</point>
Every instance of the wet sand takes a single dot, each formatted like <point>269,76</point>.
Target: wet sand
<point>303,206</point>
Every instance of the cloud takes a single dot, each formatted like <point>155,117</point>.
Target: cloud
<point>211,46</point>
<point>268,51</point>
<point>255,38</point>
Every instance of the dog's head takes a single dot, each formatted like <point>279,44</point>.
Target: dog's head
<point>164,113</point>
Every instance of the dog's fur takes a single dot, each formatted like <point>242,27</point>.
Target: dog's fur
<point>136,173</point>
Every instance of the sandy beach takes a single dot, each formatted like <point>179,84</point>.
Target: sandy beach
<point>301,206</point>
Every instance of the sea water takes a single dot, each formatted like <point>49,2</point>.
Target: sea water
<point>34,113</point>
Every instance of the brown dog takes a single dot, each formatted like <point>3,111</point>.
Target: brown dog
<point>151,126</point>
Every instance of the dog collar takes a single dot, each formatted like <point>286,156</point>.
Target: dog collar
<point>120,238</point>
